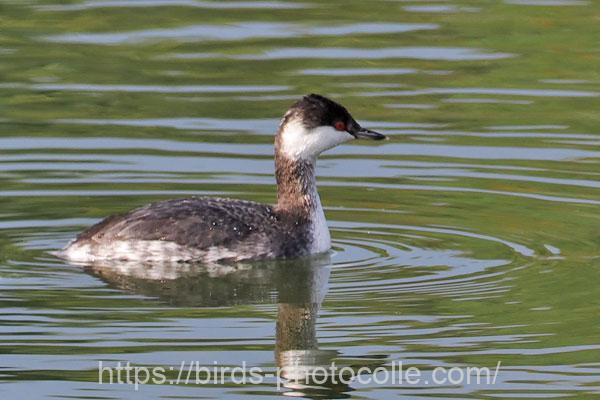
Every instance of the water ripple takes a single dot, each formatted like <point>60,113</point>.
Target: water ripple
<point>88,87</point>
<point>238,31</point>
<point>546,3</point>
<point>339,53</point>
<point>470,236</point>
<point>404,149</point>
<point>266,126</point>
<point>92,4</point>
<point>487,91</point>
<point>441,8</point>
<point>357,71</point>
<point>521,249</point>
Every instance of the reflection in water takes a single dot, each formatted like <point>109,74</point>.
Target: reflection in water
<point>470,237</point>
<point>86,5</point>
<point>488,91</point>
<point>240,31</point>
<point>357,71</point>
<point>338,53</point>
<point>85,87</point>
<point>263,126</point>
<point>439,9</point>
<point>487,101</point>
<point>548,2</point>
<point>298,286</point>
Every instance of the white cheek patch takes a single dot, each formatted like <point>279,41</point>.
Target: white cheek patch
<point>299,142</point>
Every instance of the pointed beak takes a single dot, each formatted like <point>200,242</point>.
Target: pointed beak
<point>362,133</point>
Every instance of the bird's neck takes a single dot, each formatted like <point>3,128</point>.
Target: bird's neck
<point>297,198</point>
<point>296,186</point>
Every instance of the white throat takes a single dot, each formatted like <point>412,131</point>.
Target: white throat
<point>298,142</point>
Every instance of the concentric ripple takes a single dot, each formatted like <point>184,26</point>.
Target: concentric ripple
<point>396,259</point>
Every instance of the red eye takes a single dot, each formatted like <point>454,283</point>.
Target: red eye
<point>340,126</point>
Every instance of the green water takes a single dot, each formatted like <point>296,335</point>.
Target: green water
<point>471,237</point>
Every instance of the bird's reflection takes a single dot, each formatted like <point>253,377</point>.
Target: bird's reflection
<point>298,287</point>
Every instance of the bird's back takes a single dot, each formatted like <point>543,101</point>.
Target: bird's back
<point>202,229</point>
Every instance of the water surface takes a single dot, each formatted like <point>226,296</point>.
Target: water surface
<point>469,238</point>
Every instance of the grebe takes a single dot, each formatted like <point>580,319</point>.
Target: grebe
<point>214,229</point>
